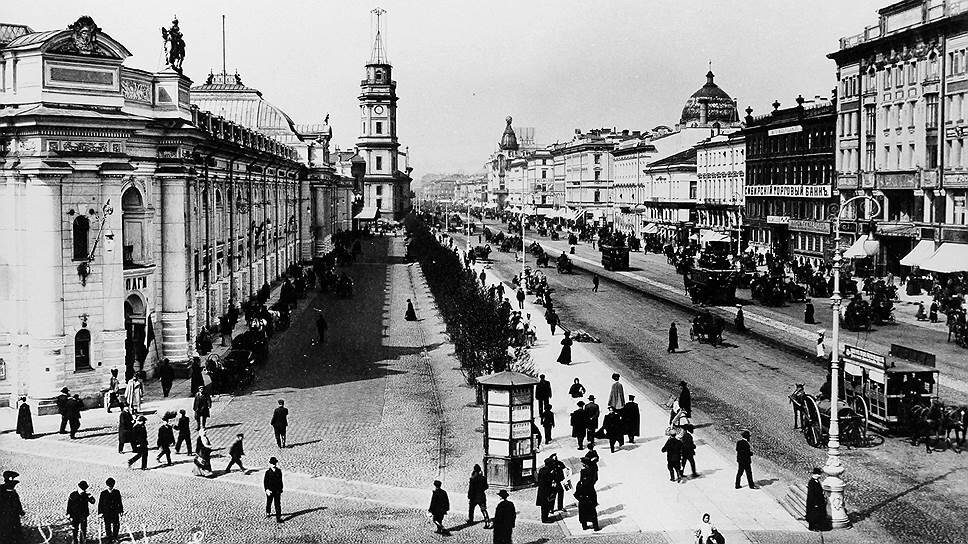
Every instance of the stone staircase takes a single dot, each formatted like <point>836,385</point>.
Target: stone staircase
<point>795,501</point>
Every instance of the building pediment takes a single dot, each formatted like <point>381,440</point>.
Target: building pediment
<point>83,39</point>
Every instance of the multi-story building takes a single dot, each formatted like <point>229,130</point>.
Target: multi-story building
<point>669,196</point>
<point>589,175</point>
<point>902,130</point>
<point>629,159</point>
<point>440,190</point>
<point>131,219</point>
<point>790,179</point>
<point>386,184</point>
<point>502,177</point>
<point>721,169</point>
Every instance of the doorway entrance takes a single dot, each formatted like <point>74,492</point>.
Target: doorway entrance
<point>134,340</point>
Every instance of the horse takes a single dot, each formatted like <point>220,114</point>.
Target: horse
<point>925,420</point>
<point>956,419</point>
<point>796,399</point>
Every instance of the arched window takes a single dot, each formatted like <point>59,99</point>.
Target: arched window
<point>133,227</point>
<point>80,231</point>
<point>82,350</point>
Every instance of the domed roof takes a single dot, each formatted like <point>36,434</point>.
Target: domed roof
<point>720,107</point>
<point>509,140</point>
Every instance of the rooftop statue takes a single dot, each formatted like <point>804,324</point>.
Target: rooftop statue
<point>174,46</point>
<point>85,35</point>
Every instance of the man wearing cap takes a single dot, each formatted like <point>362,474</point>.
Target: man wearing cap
<point>579,424</point>
<point>272,482</point>
<point>139,443</point>
<point>816,502</point>
<point>78,511</point>
<point>110,508</point>
<point>504,515</point>
<point>542,393</point>
<point>11,509</point>
<point>62,409</point>
<point>744,460</point>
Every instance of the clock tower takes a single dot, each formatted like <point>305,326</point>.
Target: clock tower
<point>386,188</point>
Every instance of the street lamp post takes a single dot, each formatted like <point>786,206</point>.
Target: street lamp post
<point>739,224</point>
<point>833,484</point>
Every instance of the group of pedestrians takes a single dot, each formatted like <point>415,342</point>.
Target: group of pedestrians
<point>505,513</point>
<point>621,420</point>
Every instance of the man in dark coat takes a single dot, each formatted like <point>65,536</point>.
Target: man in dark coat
<point>279,422</point>
<point>744,460</point>
<point>612,423</point>
<point>125,423</point>
<point>542,393</point>
<point>547,422</point>
<point>11,510</point>
<point>545,495</point>
<point>688,450</point>
<point>166,374</point>
<point>685,399</point>
<point>78,510</point>
<point>592,412</point>
<point>476,496</point>
<point>439,506</point>
<point>272,482</point>
<point>236,451</point>
<point>197,380</point>
<point>673,338</point>
<point>558,476</point>
<point>579,424</point>
<point>589,462</point>
<point>587,504</point>
<point>630,419</point>
<point>25,420</point>
<point>504,516</point>
<point>72,408</point>
<point>62,409</point>
<point>808,313</point>
<point>673,451</point>
<point>166,439</point>
<point>202,406</point>
<point>139,443</point>
<point>816,502</point>
<point>110,508</point>
<point>184,432</point>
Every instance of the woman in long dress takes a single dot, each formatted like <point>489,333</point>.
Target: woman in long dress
<point>203,455</point>
<point>565,356</point>
<point>411,315</point>
<point>25,421</point>
<point>673,338</point>
<point>133,394</point>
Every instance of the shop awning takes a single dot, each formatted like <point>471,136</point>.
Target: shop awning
<point>650,228</point>
<point>706,235</point>
<point>368,213</point>
<point>950,257</point>
<point>861,248</point>
<point>920,253</point>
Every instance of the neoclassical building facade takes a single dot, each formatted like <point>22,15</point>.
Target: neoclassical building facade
<point>131,219</point>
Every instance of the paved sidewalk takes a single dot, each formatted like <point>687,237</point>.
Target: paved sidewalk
<point>635,493</point>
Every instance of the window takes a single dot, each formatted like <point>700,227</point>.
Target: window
<point>379,163</point>
<point>379,203</point>
<point>598,195</point>
<point>959,208</point>
<point>544,174</point>
<point>379,127</point>
<point>869,157</point>
<point>932,66</point>
<point>931,156</point>
<point>898,76</point>
<point>871,84</point>
<point>598,158</point>
<point>869,120</point>
<point>80,233</point>
<point>931,111</point>
<point>887,78</point>
<point>82,350</point>
<point>379,190</point>
<point>912,70</point>
<point>693,189</point>
<point>598,175</point>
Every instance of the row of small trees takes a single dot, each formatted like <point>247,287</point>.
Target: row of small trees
<point>476,324</point>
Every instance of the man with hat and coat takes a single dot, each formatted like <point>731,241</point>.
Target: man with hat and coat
<point>630,418</point>
<point>816,502</point>
<point>587,503</point>
<point>62,409</point>
<point>139,443</point>
<point>579,424</point>
<point>272,482</point>
<point>110,508</point>
<point>592,411</point>
<point>439,506</point>
<point>546,491</point>
<point>25,421</point>
<point>78,511</point>
<point>504,515</point>
<point>11,510</point>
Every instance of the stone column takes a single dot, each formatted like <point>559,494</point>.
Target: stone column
<point>8,315</point>
<point>320,202</point>
<point>174,279</point>
<point>304,214</point>
<point>110,260</point>
<point>43,294</point>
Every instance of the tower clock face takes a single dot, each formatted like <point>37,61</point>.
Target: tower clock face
<point>378,110</point>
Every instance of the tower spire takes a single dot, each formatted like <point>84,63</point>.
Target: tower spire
<point>379,54</point>
<point>223,46</point>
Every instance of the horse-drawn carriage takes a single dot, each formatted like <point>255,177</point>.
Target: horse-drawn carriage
<point>707,328</point>
<point>614,257</point>
<point>231,373</point>
<point>481,252</point>
<point>858,315</point>
<point>564,264</point>
<point>710,286</point>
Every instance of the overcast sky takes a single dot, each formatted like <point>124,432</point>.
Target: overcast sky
<point>462,66</point>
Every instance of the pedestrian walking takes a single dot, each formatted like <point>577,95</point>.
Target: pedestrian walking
<point>579,424</point>
<point>547,422</point>
<point>273,485</point>
<point>166,439</point>
<point>483,277</point>
<point>542,393</point>
<point>808,313</point>
<point>589,465</point>
<point>439,506</point>
<point>552,318</point>
<point>139,443</point>
<point>78,510</point>
<point>476,496</point>
<point>673,338</point>
<point>73,407</point>
<point>612,427</point>
<point>565,356</point>
<point>166,374</point>
<point>520,297</point>
<point>411,314</point>
<point>592,413</point>
<point>816,503</point>
<point>821,352</point>
<point>203,455</point>
<point>673,450</point>
<point>587,504</point>
<point>616,397</point>
<point>707,533</point>
<point>236,451</point>
<point>125,424</point>
<point>321,327</point>
<point>685,399</point>
<point>504,517</point>
<point>62,409</point>
<point>577,390</point>
<point>744,459</point>
<point>933,312</point>
<point>740,320</point>
<point>279,423</point>
<point>202,407</point>
<point>25,420</point>
<point>184,432</point>
<point>558,477</point>
<point>630,419</point>
<point>110,508</point>
<point>545,493</point>
<point>197,381</point>
<point>134,393</point>
<point>11,510</point>
<point>111,398</point>
<point>688,450</point>
<point>595,282</point>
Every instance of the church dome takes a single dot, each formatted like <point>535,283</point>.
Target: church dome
<point>710,104</point>
<point>509,140</point>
